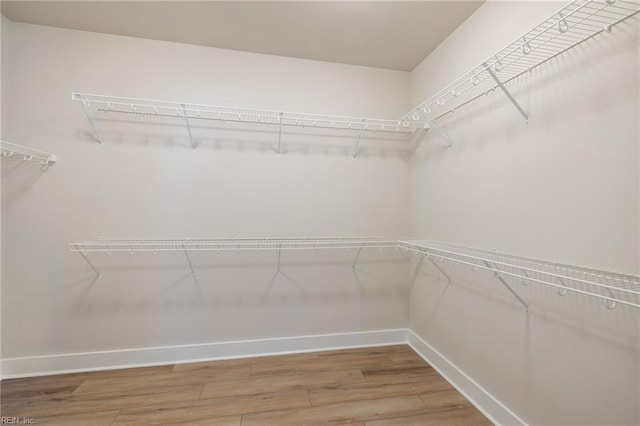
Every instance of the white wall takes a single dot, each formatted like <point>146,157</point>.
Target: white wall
<point>145,182</point>
<point>564,187</point>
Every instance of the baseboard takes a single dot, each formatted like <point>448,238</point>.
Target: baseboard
<point>144,357</point>
<point>489,405</point>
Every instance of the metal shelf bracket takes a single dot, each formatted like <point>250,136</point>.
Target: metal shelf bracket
<point>447,276</point>
<point>186,254</point>
<point>279,137</point>
<point>506,284</point>
<point>506,92</point>
<point>93,126</point>
<point>441,132</point>
<point>186,120</point>
<point>86,259</point>
<point>355,148</point>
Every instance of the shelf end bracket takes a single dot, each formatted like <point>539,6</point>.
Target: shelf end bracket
<point>420,137</point>
<point>93,126</point>
<point>506,92</point>
<point>86,259</point>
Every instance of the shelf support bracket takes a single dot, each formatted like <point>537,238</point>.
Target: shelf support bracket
<point>279,143</point>
<point>355,261</point>
<point>506,92</point>
<point>355,148</point>
<point>186,254</point>
<point>186,120</point>
<point>447,276</point>
<point>421,135</point>
<point>506,284</point>
<point>417,270</point>
<point>279,253</point>
<point>93,126</point>
<point>86,259</point>
<point>441,132</point>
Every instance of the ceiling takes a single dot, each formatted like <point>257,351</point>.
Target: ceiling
<point>384,34</point>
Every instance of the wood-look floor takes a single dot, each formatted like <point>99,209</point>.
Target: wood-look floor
<point>388,385</point>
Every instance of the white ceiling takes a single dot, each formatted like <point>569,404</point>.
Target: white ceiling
<point>383,34</point>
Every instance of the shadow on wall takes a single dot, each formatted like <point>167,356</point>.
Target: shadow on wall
<point>19,177</point>
<point>581,315</point>
<point>164,282</point>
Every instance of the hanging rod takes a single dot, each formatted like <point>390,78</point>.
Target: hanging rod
<point>570,26</point>
<point>19,152</point>
<point>613,288</point>
<point>103,106</point>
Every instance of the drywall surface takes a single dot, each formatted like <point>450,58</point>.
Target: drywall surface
<point>565,188</point>
<point>145,181</point>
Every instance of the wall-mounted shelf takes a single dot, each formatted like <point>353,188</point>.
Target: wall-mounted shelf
<point>188,115</point>
<point>575,23</point>
<point>226,244</point>
<point>220,244</point>
<point>611,287</point>
<point>23,153</point>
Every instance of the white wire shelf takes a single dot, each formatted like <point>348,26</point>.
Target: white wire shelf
<point>230,244</point>
<point>575,23</point>
<point>23,153</point>
<point>611,287</point>
<point>188,245</point>
<point>189,115</point>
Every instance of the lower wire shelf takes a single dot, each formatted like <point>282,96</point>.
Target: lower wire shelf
<point>610,287</point>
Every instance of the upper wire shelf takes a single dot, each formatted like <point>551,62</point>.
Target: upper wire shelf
<point>19,152</point>
<point>189,115</point>
<point>575,23</point>
<point>611,287</point>
<point>101,104</point>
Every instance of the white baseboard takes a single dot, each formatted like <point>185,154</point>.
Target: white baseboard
<point>144,357</point>
<point>490,406</point>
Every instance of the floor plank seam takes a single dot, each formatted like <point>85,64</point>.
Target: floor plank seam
<point>115,417</point>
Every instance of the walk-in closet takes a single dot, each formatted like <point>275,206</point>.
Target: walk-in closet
<point>309,212</point>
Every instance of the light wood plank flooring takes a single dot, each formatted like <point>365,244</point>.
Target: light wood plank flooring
<point>388,385</point>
